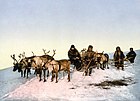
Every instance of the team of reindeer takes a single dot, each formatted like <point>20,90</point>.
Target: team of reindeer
<point>48,63</point>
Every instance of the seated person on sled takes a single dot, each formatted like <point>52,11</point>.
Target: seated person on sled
<point>74,57</point>
<point>119,58</point>
<point>89,60</point>
<point>131,55</point>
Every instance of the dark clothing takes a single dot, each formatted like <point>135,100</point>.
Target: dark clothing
<point>131,56</point>
<point>75,58</point>
<point>119,59</point>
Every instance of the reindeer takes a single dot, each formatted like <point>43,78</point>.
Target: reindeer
<point>22,64</point>
<point>55,66</point>
<point>101,60</point>
<point>39,61</point>
<point>17,65</point>
<point>83,53</point>
<point>26,65</point>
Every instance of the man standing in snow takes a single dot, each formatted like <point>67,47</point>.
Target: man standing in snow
<point>131,55</point>
<point>75,57</point>
<point>89,60</point>
<point>119,58</point>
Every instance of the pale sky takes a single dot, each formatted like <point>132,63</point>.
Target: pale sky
<point>30,25</point>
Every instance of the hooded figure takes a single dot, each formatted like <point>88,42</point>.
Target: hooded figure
<point>89,60</point>
<point>75,57</point>
<point>119,58</point>
<point>131,55</point>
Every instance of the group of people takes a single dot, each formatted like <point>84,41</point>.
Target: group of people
<point>75,57</point>
<point>88,58</point>
<point>119,57</point>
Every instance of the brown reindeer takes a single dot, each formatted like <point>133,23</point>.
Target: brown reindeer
<point>22,65</point>
<point>101,60</point>
<point>58,65</point>
<point>39,63</point>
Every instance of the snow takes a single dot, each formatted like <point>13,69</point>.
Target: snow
<point>80,88</point>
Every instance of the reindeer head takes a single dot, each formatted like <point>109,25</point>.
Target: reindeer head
<point>16,63</point>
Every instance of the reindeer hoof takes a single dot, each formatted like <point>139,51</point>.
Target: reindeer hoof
<point>44,80</point>
<point>68,79</point>
<point>56,82</point>
<point>40,80</point>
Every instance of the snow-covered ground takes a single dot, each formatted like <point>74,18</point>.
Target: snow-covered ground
<point>10,80</point>
<point>81,88</point>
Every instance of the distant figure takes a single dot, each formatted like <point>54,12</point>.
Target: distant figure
<point>131,55</point>
<point>119,58</point>
<point>89,60</point>
<point>75,57</point>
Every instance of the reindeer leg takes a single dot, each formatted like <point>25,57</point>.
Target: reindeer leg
<point>90,70</point>
<point>47,74</point>
<point>56,76</point>
<point>102,66</point>
<point>30,71</point>
<point>27,72</point>
<point>40,74</point>
<point>35,72</point>
<point>107,65</point>
<point>118,67</point>
<point>98,65</point>
<point>24,73</point>
<point>21,73</point>
<point>122,67</point>
<point>86,72</point>
<point>53,75</point>
<point>68,75</point>
<point>44,70</point>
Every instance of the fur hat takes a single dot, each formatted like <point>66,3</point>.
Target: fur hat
<point>72,46</point>
<point>90,46</point>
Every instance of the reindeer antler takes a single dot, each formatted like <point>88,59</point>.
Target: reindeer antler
<point>20,55</point>
<point>44,50</point>
<point>23,55</point>
<point>48,52</point>
<point>33,53</point>
<point>84,49</point>
<point>13,57</point>
<point>54,52</point>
